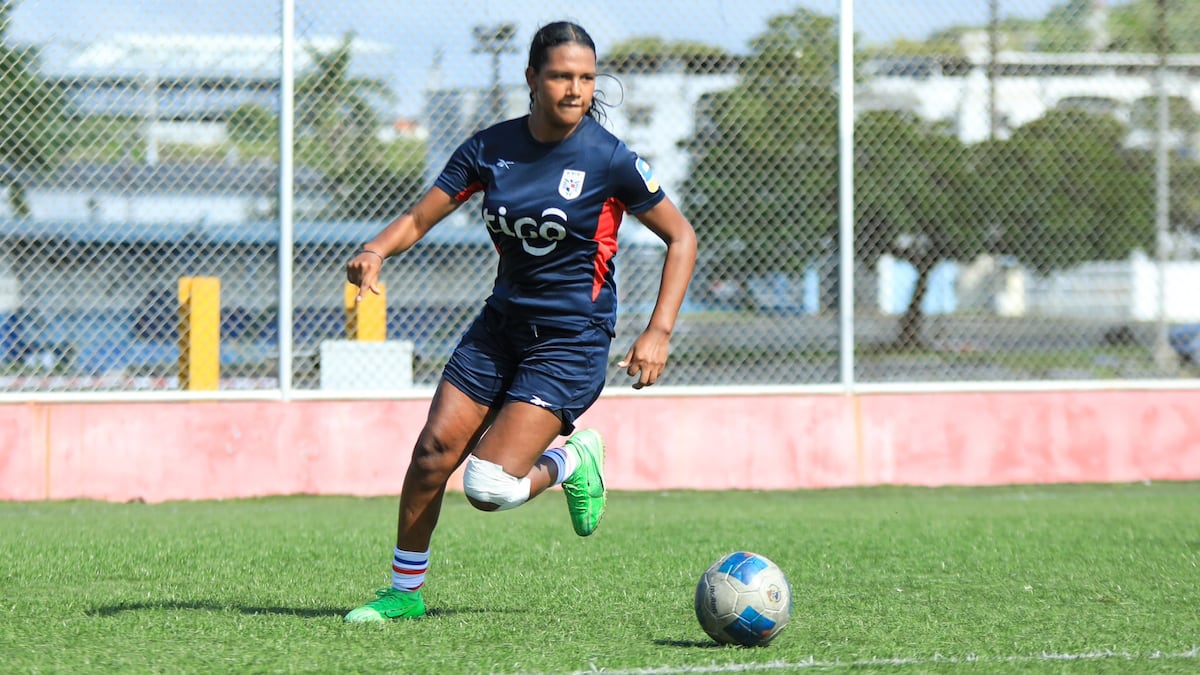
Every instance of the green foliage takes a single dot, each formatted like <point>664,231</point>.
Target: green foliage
<point>1181,116</point>
<point>796,50</point>
<point>655,49</point>
<point>913,183</point>
<point>1134,27</point>
<point>1130,27</point>
<point>914,189</point>
<point>947,46</point>
<point>763,189</point>
<point>947,43</point>
<point>1069,26</point>
<point>1063,191</point>
<point>251,124</point>
<point>1066,28</point>
<point>33,116</point>
<point>336,132</point>
<point>102,138</point>
<point>1185,194</point>
<point>932,580</point>
<point>653,54</point>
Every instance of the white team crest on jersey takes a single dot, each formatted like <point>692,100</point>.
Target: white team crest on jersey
<point>571,185</point>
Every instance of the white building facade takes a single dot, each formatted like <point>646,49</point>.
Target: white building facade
<point>1027,85</point>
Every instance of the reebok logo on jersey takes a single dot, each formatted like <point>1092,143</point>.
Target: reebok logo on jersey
<point>504,164</point>
<point>538,401</point>
<point>571,185</point>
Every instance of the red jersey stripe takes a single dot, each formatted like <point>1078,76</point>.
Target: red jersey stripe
<point>466,192</point>
<point>606,242</point>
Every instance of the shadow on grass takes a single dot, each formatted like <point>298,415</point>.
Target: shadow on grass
<point>703,644</point>
<point>307,612</point>
<point>303,612</point>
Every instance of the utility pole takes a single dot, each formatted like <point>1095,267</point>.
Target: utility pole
<point>1164,359</point>
<point>495,40</point>
<point>993,69</point>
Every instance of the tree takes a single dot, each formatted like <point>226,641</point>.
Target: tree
<point>1133,27</point>
<point>650,53</point>
<point>1129,27</point>
<point>1067,28</point>
<point>1185,195</point>
<point>337,130</point>
<point>1063,190</point>
<point>1181,116</point>
<point>914,188</point>
<point>252,124</point>
<point>32,118</point>
<point>946,44</point>
<point>763,189</point>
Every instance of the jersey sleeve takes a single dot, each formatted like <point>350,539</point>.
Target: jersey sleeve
<point>461,178</point>
<point>634,182</point>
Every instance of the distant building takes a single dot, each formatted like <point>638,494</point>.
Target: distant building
<point>132,193</point>
<point>957,90</point>
<point>185,86</point>
<point>180,90</point>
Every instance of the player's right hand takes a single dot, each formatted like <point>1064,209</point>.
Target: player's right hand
<point>363,271</point>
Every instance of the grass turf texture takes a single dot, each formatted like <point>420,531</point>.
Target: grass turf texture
<point>1031,579</point>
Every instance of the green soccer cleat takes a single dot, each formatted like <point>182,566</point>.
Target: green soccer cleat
<point>585,487</point>
<point>389,603</point>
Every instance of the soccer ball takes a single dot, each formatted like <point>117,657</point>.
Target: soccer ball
<point>743,599</point>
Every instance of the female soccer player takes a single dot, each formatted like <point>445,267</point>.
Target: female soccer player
<point>556,184</point>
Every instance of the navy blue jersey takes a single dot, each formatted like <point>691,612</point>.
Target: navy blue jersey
<point>553,211</point>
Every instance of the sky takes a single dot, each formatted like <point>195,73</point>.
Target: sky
<point>417,32</point>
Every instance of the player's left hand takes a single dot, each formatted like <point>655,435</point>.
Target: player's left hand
<point>647,357</point>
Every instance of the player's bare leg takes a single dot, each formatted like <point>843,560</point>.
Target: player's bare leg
<point>510,465</point>
<point>510,457</point>
<point>454,424</point>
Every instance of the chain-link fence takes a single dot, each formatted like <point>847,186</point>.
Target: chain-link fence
<point>1025,181</point>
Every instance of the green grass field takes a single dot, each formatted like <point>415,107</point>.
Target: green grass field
<point>1026,579</point>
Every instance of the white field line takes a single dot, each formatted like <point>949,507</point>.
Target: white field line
<point>936,659</point>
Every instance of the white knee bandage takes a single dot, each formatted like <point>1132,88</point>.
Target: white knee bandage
<point>484,481</point>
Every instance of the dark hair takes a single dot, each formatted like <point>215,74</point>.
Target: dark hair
<point>564,33</point>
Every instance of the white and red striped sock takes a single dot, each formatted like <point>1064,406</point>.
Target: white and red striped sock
<point>408,569</point>
<point>565,462</point>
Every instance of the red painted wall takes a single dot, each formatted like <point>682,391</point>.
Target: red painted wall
<point>206,450</point>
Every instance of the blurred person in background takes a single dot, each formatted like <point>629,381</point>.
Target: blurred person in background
<point>555,185</point>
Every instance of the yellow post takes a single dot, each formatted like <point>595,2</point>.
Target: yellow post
<point>199,333</point>
<point>366,320</point>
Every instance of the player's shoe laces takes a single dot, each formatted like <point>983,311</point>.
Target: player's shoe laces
<point>389,603</point>
<point>585,487</point>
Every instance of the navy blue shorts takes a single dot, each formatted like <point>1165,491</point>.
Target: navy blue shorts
<point>500,359</point>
